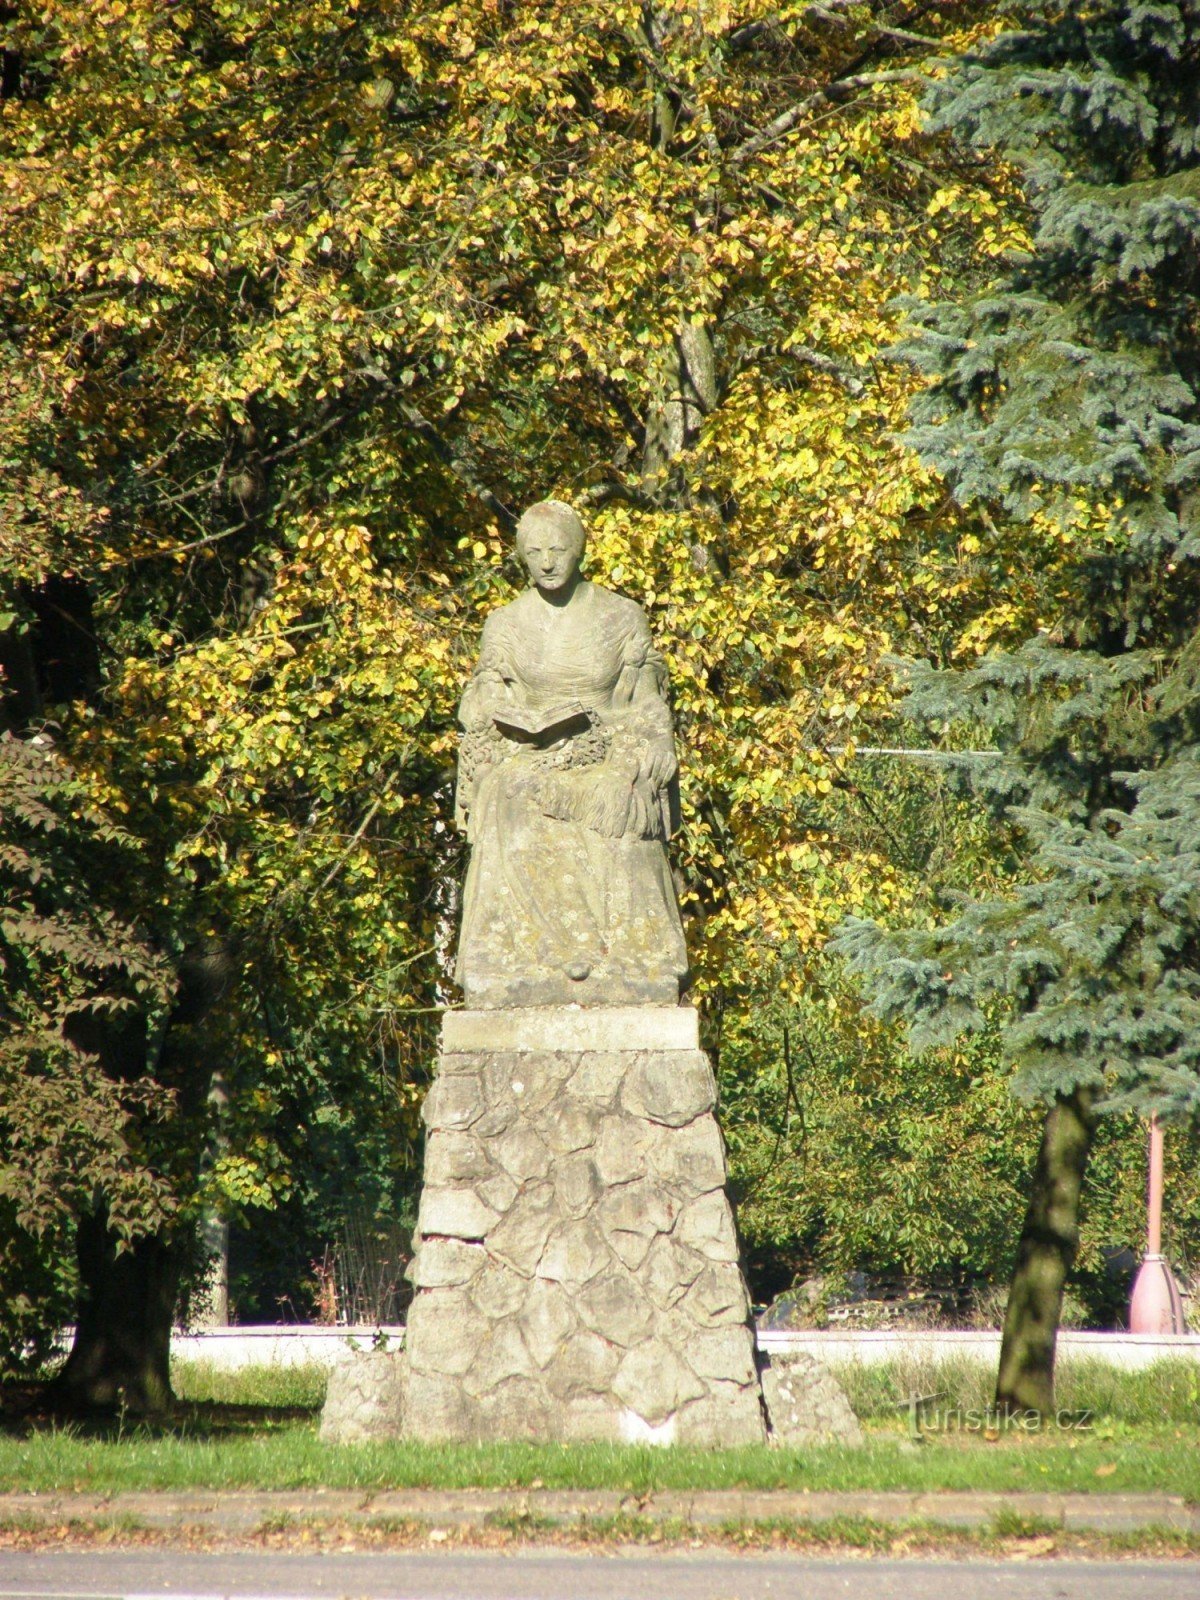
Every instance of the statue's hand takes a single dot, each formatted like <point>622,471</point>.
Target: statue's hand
<point>657,765</point>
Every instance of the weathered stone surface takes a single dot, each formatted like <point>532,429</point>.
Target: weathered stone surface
<point>653,1382</point>
<point>455,1158</point>
<point>365,1398</point>
<point>721,1353</point>
<point>437,1407</point>
<point>530,1082</point>
<point>670,1089</point>
<point>669,1271</point>
<point>706,1225</point>
<point>498,1291</point>
<point>574,1253</point>
<point>589,1418</point>
<point>521,1153</point>
<point>520,1238</point>
<point>620,1150</point>
<point>576,1260</point>
<point>632,1214</point>
<point>517,1408</point>
<point>465,1061</point>
<point>454,1214</point>
<point>572,1127</point>
<point>805,1403</point>
<point>612,1306</point>
<point>444,1332</point>
<point>576,1183</point>
<point>503,1079</point>
<point>495,1120</point>
<point>717,1298</point>
<point>445,1263</point>
<point>497,1192</point>
<point>453,1102</point>
<point>547,1320</point>
<point>503,1354</point>
<point>692,1158</point>
<point>598,1031</point>
<point>586,1365</point>
<point>600,1074</point>
<point>727,1416</point>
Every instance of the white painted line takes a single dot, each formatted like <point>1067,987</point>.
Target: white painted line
<point>178,1594</point>
<point>134,1594</point>
<point>63,1594</point>
<point>154,1594</point>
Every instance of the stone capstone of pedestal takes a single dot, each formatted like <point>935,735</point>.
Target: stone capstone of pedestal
<point>576,1266</point>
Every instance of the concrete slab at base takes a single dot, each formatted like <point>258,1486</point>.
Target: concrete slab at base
<point>571,1028</point>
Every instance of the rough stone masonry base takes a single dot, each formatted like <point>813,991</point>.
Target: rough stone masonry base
<point>576,1265</point>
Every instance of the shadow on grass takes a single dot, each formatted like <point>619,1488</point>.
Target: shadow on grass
<point>28,1409</point>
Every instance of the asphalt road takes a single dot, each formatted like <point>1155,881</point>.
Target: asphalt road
<point>555,1575</point>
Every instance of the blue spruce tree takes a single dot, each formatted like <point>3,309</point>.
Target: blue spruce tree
<point>1072,383</point>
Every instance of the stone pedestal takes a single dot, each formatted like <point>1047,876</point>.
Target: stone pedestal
<point>576,1266</point>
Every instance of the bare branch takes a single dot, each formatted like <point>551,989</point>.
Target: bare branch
<point>613,393</point>
<point>338,415</point>
<point>831,94</point>
<point>740,38</point>
<point>342,859</point>
<point>445,453</point>
<point>806,356</point>
<point>616,488</point>
<point>906,36</point>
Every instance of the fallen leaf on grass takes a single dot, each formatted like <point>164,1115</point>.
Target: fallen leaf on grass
<point>1106,1469</point>
<point>1031,1549</point>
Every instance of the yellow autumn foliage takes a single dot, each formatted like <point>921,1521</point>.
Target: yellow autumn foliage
<point>306,302</point>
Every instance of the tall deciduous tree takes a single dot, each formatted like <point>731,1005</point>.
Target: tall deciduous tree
<point>304,304</point>
<point>82,1000</point>
<point>1065,399</point>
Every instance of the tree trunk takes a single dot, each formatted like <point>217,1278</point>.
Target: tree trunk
<point>686,391</point>
<point>127,1298</point>
<point>121,1353</point>
<point>1045,1255</point>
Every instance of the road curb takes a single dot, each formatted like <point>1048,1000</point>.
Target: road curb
<point>233,1514</point>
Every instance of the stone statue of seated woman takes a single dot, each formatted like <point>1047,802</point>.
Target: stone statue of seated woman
<point>568,792</point>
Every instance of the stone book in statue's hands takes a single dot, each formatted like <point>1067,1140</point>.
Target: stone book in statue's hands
<point>541,727</point>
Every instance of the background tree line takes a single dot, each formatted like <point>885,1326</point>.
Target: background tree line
<point>302,305</point>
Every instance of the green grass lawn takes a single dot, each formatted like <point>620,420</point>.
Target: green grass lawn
<point>257,1430</point>
<point>290,1456</point>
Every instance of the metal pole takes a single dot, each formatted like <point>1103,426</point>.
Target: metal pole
<point>1156,1306</point>
<point>1155,1196</point>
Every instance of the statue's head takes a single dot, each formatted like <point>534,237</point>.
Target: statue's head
<point>550,541</point>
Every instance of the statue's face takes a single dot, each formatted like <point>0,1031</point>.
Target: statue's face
<point>551,554</point>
